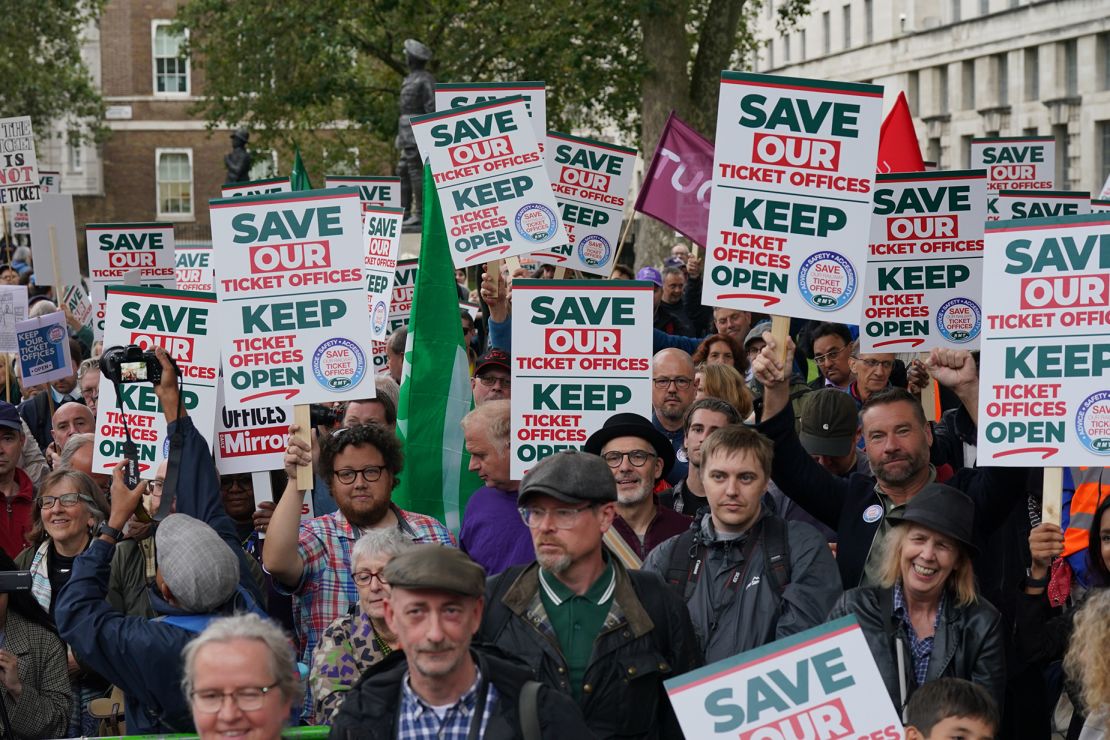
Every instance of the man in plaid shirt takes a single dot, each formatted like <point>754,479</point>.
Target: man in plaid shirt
<point>312,560</point>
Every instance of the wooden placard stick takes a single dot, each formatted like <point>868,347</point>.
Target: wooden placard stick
<point>780,330</point>
<point>620,244</point>
<point>302,417</point>
<point>494,268</point>
<point>928,394</point>
<point>560,273</point>
<point>1052,501</point>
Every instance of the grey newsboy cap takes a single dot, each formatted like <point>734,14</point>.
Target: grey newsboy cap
<point>200,568</point>
<point>436,567</point>
<point>572,477</point>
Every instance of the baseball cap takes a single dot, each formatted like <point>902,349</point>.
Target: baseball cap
<point>9,416</point>
<point>571,476</point>
<point>494,358</point>
<point>829,422</point>
<point>632,425</point>
<point>200,568</point>
<point>756,332</point>
<point>674,262</point>
<point>436,567</point>
<point>650,273</point>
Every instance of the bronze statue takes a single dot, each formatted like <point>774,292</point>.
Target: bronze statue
<point>417,98</point>
<point>238,162</point>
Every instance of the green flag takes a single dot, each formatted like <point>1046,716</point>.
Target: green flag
<point>298,178</point>
<point>435,383</point>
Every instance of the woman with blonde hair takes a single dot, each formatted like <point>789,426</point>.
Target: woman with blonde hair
<point>925,620</point>
<point>1086,663</point>
<point>726,383</point>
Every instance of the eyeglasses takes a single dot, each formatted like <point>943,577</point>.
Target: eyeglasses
<point>242,482</point>
<point>636,457</point>
<point>490,380</point>
<point>563,518</point>
<point>872,364</point>
<point>829,356</point>
<point>156,486</point>
<point>679,383</point>
<point>370,474</point>
<point>364,577</point>
<point>248,699</point>
<point>68,500</point>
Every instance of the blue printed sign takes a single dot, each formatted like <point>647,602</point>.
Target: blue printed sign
<point>43,349</point>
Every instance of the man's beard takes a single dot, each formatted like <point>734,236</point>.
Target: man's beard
<point>913,466</point>
<point>556,564</point>
<point>367,517</point>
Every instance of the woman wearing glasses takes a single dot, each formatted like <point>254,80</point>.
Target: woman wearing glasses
<point>353,643</point>
<point>241,679</point>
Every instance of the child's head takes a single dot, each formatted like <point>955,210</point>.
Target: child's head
<point>951,708</point>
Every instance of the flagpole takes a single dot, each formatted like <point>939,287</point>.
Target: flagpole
<point>620,244</point>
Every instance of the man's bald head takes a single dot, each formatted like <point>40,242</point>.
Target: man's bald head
<point>69,419</point>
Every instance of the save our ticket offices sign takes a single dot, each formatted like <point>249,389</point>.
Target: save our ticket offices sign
<point>1042,203</point>
<point>450,95</point>
<point>383,242</point>
<point>581,353</point>
<point>821,683</point>
<point>924,275</point>
<point>193,267</point>
<point>1014,163</point>
<point>116,249</point>
<point>257,187</point>
<point>790,219</point>
<point>292,291</point>
<point>591,181</point>
<point>1045,363</point>
<point>490,180</point>
<point>375,192</point>
<point>183,324</point>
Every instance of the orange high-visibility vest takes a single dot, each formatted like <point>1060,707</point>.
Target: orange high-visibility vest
<point>1090,490</point>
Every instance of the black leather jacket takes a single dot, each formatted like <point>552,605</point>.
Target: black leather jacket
<point>968,642</point>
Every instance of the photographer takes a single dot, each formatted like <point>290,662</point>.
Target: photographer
<point>202,574</point>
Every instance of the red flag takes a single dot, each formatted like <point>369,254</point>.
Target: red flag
<point>898,149</point>
<point>677,184</point>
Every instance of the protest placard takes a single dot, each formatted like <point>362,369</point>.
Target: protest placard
<point>1041,203</point>
<point>19,169</point>
<point>43,349</point>
<point>924,275</point>
<point>77,300</point>
<point>374,192</point>
<point>383,242</point>
<point>462,94</point>
<point>13,309</point>
<point>289,273</point>
<point>54,240</point>
<point>183,324</point>
<point>1099,206</point>
<point>115,249</point>
<point>581,353</point>
<point>790,219</point>
<point>821,683</point>
<point>1014,163</point>
<point>591,180</point>
<point>193,267</point>
<point>257,187</point>
<point>404,286</point>
<point>251,439</point>
<point>1046,343</point>
<point>49,182</point>
<point>490,180</point>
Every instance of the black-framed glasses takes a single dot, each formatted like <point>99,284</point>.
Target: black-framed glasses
<point>248,699</point>
<point>681,383</point>
<point>370,474</point>
<point>564,518</point>
<point>68,500</point>
<point>364,577</point>
<point>491,380</point>
<point>829,356</point>
<point>613,458</point>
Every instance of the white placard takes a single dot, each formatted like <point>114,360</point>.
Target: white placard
<point>117,249</point>
<point>1014,163</point>
<point>1014,204</point>
<point>54,213</point>
<point>383,242</point>
<point>374,192</point>
<point>19,170</point>
<point>461,94</point>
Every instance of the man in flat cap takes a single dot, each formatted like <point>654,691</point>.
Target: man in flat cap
<point>447,687</point>
<point>417,98</point>
<point>583,623</point>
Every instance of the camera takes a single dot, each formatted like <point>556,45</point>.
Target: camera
<point>131,364</point>
<point>14,580</point>
<point>322,416</point>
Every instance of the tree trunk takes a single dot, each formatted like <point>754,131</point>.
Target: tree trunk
<point>716,43</point>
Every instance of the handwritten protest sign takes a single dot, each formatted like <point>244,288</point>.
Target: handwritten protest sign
<point>115,249</point>
<point>591,181</point>
<point>924,276</point>
<point>383,242</point>
<point>821,683</point>
<point>193,267</point>
<point>461,94</point>
<point>289,276</point>
<point>79,303</point>
<point>251,439</point>
<point>13,309</point>
<point>790,219</point>
<point>43,349</point>
<point>1014,163</point>
<point>257,187</point>
<point>581,353</point>
<point>49,182</point>
<point>375,192</point>
<point>404,287</point>
<point>19,173</point>
<point>54,240</point>
<point>1046,343</point>
<point>184,325</point>
<point>490,180</point>
<point>1041,203</point>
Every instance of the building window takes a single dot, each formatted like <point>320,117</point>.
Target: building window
<point>965,151</point>
<point>826,33</point>
<point>913,92</point>
<point>171,68</point>
<point>984,7</point>
<point>1032,73</point>
<point>1001,78</point>
<point>1060,133</point>
<point>967,84</point>
<point>868,22</point>
<point>1031,131</point>
<point>942,89</point>
<point>846,14</point>
<point>264,165</point>
<point>956,15</point>
<point>802,44</point>
<point>174,171</point>
<point>932,152</point>
<point>786,49</point>
<point>1102,54</point>
<point>1104,145</point>
<point>1071,66</point>
<point>75,153</point>
<point>770,53</point>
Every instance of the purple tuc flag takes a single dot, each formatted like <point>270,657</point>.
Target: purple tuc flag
<point>678,183</point>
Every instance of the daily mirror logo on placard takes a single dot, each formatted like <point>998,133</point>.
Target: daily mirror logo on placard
<point>1042,204</point>
<point>116,249</point>
<point>251,439</point>
<point>257,187</point>
<point>375,192</point>
<point>1014,163</point>
<point>461,94</point>
<point>790,218</point>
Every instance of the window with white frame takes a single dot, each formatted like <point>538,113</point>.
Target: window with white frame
<point>75,153</point>
<point>264,165</point>
<point>174,175</point>
<point>171,68</point>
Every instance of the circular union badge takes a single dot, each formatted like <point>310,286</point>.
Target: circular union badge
<point>536,222</point>
<point>593,250</point>
<point>378,317</point>
<point>56,333</point>
<point>1092,422</point>
<point>872,513</point>
<point>827,280</point>
<point>959,320</point>
<point>338,364</point>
